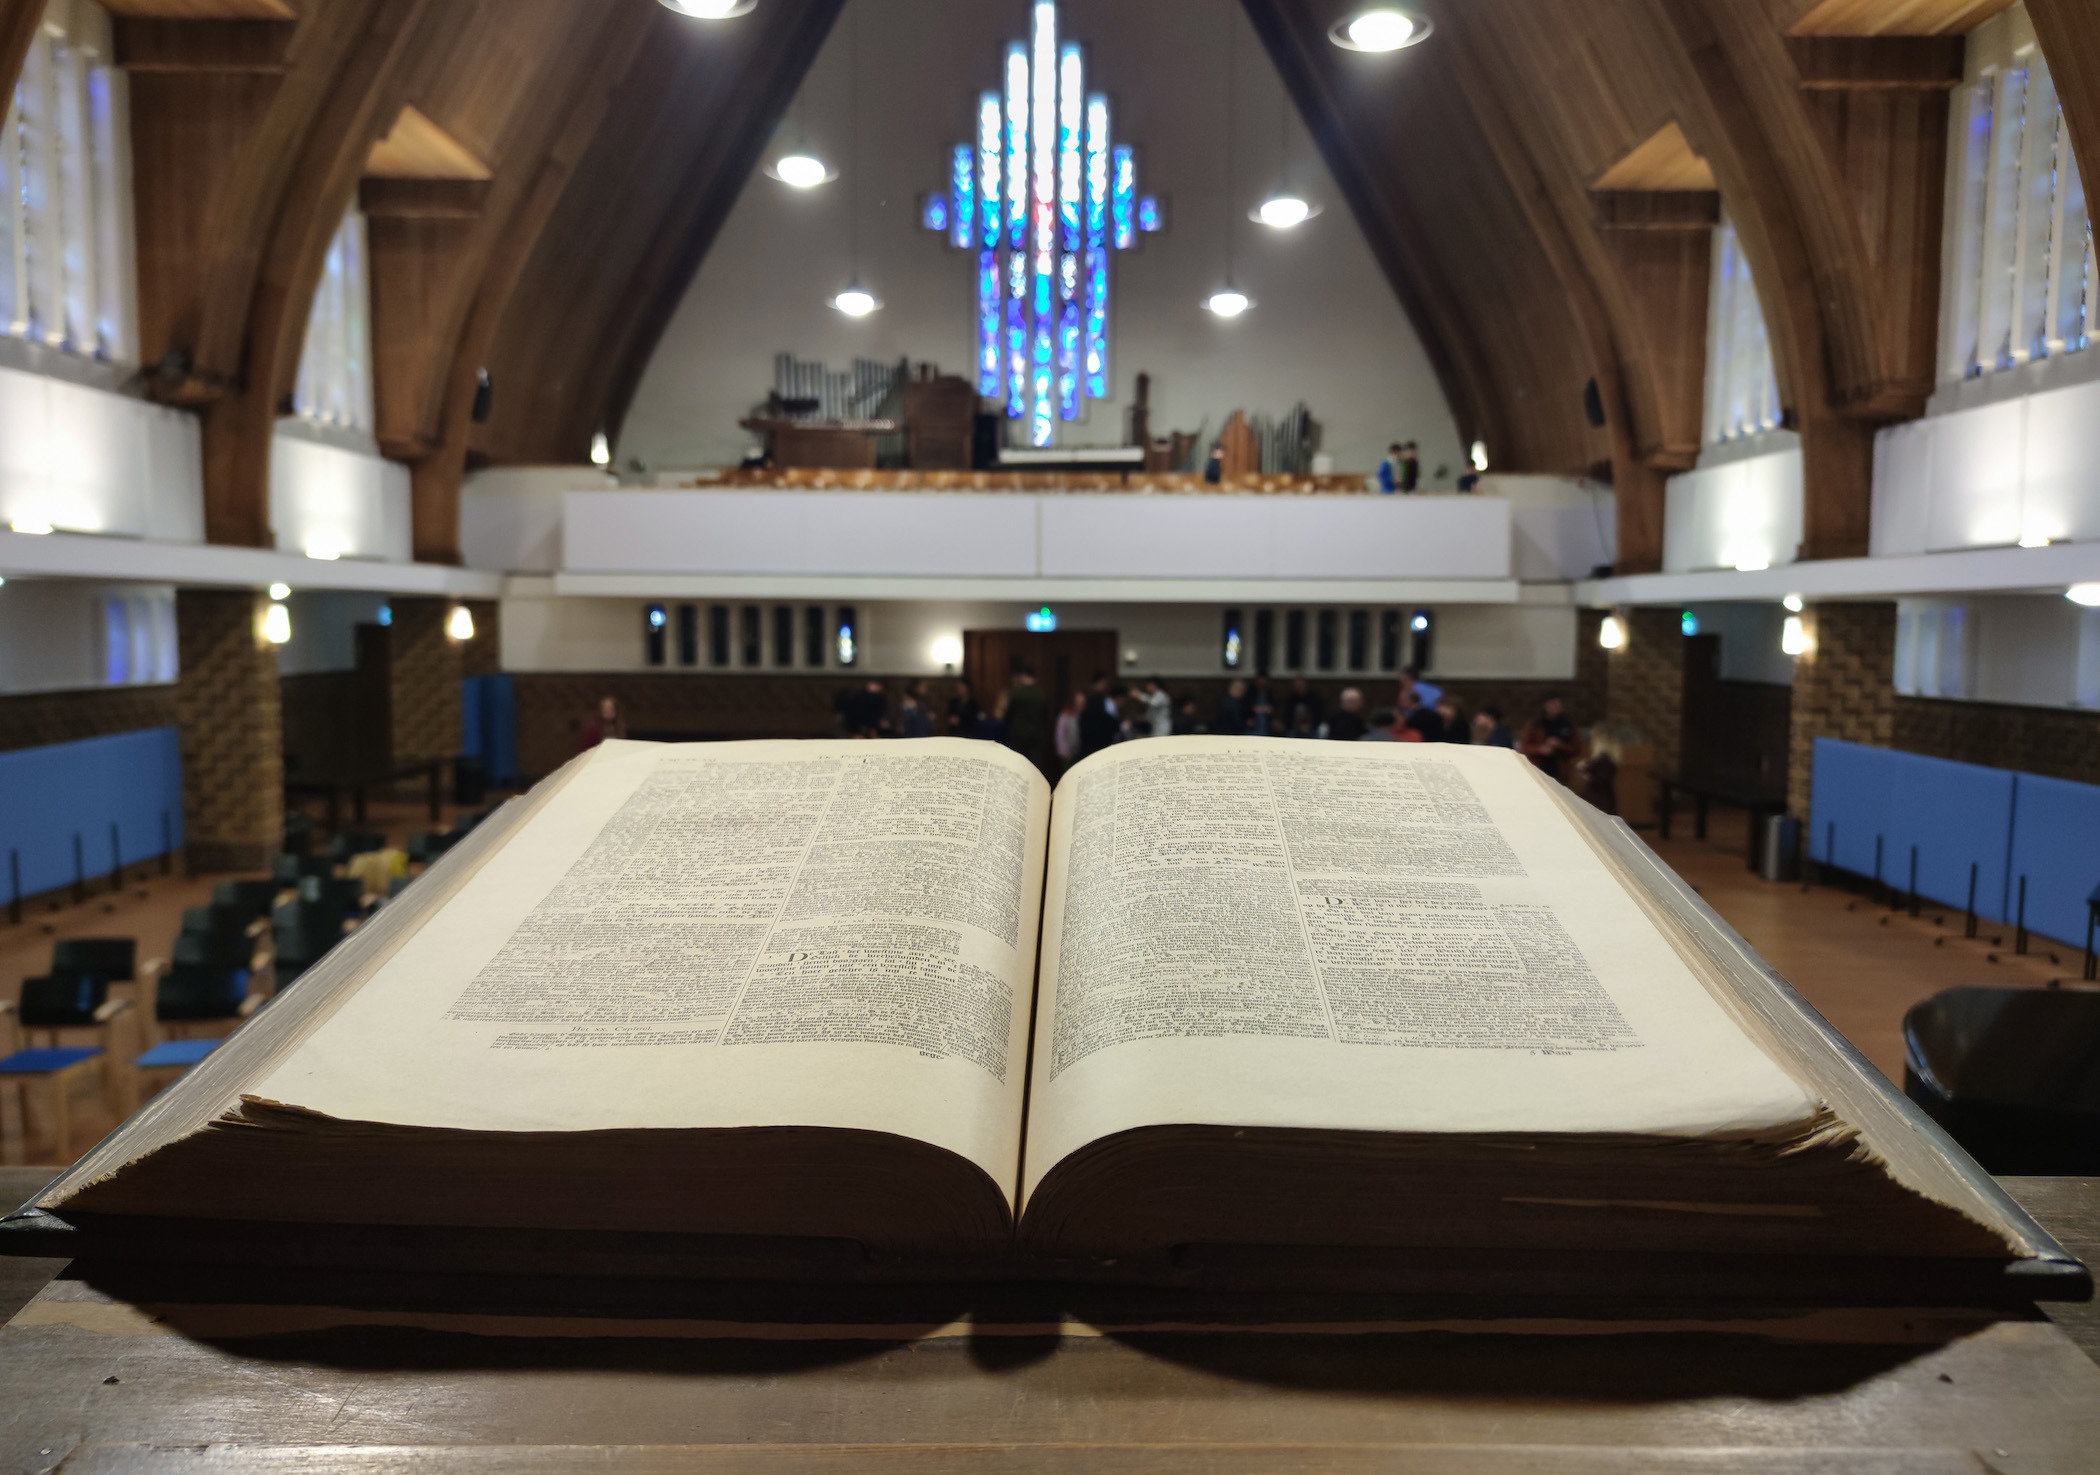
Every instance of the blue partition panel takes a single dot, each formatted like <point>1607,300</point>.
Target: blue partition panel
<point>1849,805</point>
<point>2056,846</point>
<point>489,725</point>
<point>1957,815</point>
<point>131,780</point>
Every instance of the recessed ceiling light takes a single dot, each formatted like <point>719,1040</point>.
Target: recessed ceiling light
<point>710,9</point>
<point>1383,28</point>
<point>856,302</point>
<point>1282,212</point>
<point>1228,303</point>
<point>2085,594</point>
<point>801,171</point>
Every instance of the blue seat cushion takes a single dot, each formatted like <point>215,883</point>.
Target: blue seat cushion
<point>44,1062</point>
<point>182,1053</point>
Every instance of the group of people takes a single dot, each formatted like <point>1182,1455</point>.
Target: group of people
<point>1107,712</point>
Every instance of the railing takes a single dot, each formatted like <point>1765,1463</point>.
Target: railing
<point>843,480</point>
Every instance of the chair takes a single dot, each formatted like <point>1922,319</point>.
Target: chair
<point>303,932</point>
<point>2013,1074</point>
<point>50,1073</point>
<point>202,994</point>
<point>56,1007</point>
<point>354,842</point>
<point>166,1063</point>
<point>253,899</point>
<point>113,960</point>
<point>290,870</point>
<point>344,896</point>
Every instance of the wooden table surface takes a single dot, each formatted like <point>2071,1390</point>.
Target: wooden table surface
<point>91,1382</point>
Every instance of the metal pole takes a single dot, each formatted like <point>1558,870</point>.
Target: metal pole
<point>1877,869</point>
<point>79,870</point>
<point>2092,912</point>
<point>116,859</point>
<point>167,843</point>
<point>2020,924</point>
<point>1969,922</point>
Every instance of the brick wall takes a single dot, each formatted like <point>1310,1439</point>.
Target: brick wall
<point>1844,687</point>
<point>424,667</point>
<point>39,719</point>
<point>227,705</point>
<point>1645,687</point>
<point>2044,740</point>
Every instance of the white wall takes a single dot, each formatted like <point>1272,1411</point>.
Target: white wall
<point>83,459</point>
<point>546,632</point>
<point>1020,535</point>
<point>1749,640</point>
<point>2022,650</point>
<point>1991,475</point>
<point>352,504</point>
<point>74,635</point>
<point>510,516</point>
<point>1326,327</point>
<point>1734,514</point>
<point>1562,527</point>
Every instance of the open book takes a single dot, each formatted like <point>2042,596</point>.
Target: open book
<point>1243,998</point>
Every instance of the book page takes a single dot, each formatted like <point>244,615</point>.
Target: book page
<point>1273,932</point>
<point>830,934</point>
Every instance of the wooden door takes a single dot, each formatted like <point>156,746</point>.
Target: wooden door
<point>1064,661</point>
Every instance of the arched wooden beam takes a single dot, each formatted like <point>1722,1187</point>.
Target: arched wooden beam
<point>2069,31</point>
<point>365,95</point>
<point>1724,124</point>
<point>18,23</point>
<point>437,475</point>
<point>636,217</point>
<point>1561,222</point>
<point>1297,45</point>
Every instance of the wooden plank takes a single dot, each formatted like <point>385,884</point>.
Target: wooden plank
<point>199,10</point>
<point>378,1398</point>
<point>1863,64</point>
<point>416,148</point>
<point>1665,160</point>
<point>1665,210</point>
<point>1897,17</point>
<point>150,45</point>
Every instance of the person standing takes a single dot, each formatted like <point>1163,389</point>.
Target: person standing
<point>1065,732</point>
<point>1389,470</point>
<point>1410,468</point>
<point>1097,720</point>
<point>1490,731</point>
<point>1550,739</point>
<point>606,722</point>
<point>1230,720</point>
<point>1159,708</point>
<point>913,718</point>
<point>1261,710</point>
<point>963,713</point>
<point>1302,707</point>
<point>1347,724</point>
<point>1028,719</point>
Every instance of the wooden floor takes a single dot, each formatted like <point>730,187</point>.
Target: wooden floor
<point>1861,965</point>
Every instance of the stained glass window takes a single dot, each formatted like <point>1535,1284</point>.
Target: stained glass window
<point>1043,199</point>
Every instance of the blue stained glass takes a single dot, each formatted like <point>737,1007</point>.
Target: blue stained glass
<point>1068,362</point>
<point>988,297</point>
<point>1097,323</point>
<point>1148,216</point>
<point>1016,359</point>
<point>990,135</point>
<point>1044,420</point>
<point>1068,278</point>
<point>1016,276</point>
<point>1017,146</point>
<point>1123,198</point>
<point>1071,116</point>
<point>934,216</point>
<point>1096,171</point>
<point>1045,283</point>
<point>963,230</point>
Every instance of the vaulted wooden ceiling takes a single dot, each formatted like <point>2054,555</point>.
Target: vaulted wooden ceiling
<point>1540,181</point>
